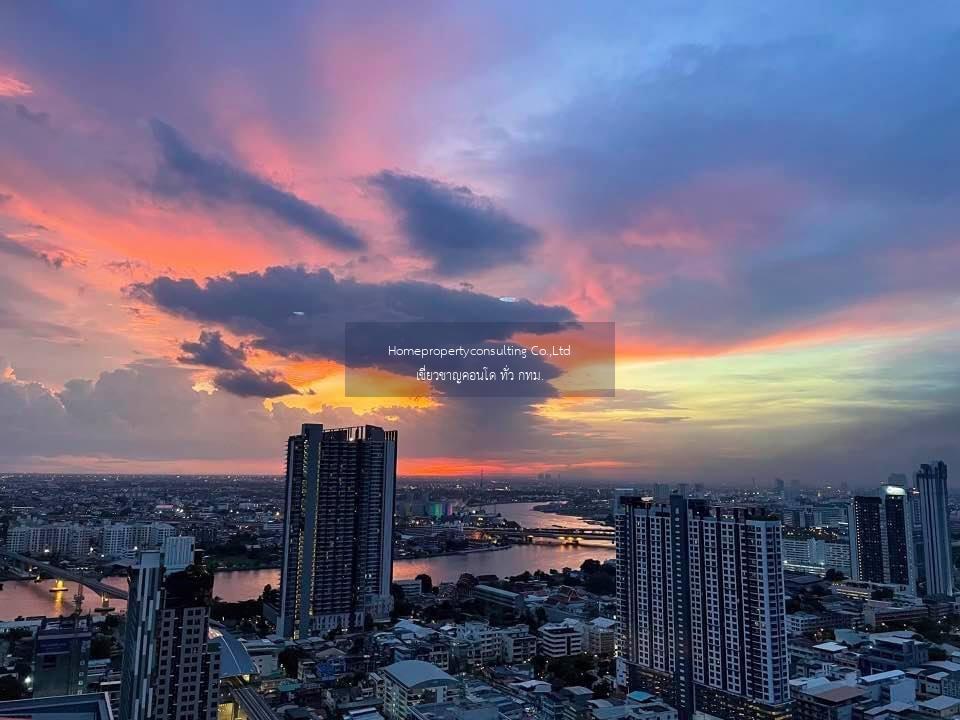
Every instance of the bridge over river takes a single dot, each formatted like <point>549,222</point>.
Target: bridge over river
<point>563,534</point>
<point>53,571</point>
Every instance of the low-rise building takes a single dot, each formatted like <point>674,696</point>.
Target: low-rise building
<point>937,677</point>
<point>406,684</point>
<point>517,645</point>
<point>827,701</point>
<point>801,623</point>
<point>561,639</point>
<point>460,709</point>
<point>499,603</point>
<point>893,651</point>
<point>484,637</point>
<point>264,655</point>
<point>600,635</point>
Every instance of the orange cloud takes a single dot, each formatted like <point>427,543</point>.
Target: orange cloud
<point>12,87</point>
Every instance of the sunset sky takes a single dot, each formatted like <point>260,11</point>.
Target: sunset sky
<point>195,196</point>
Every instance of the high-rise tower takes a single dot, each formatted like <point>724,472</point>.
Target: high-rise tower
<point>338,528</point>
<point>881,538</point>
<point>701,616</point>
<point>931,482</point>
<point>171,671</point>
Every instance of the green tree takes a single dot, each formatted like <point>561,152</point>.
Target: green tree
<point>602,690</point>
<point>541,616</point>
<point>11,688</point>
<point>571,670</point>
<point>601,583</point>
<point>467,581</point>
<point>289,660</point>
<point>590,566</point>
<point>101,647</point>
<point>400,605</point>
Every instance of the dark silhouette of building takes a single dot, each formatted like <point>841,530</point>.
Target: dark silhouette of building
<point>931,482</point>
<point>338,529</point>
<point>882,538</point>
<point>171,670</point>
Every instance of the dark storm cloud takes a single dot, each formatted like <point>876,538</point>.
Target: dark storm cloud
<point>296,311</point>
<point>460,231</point>
<point>247,382</point>
<point>186,172</point>
<point>235,376</point>
<point>212,350</point>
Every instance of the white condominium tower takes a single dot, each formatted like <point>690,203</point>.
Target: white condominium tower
<point>701,616</point>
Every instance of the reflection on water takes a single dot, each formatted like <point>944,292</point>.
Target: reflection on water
<point>524,515</point>
<point>25,598</point>
<point>504,563</point>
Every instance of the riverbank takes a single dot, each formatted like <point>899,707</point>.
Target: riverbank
<point>26,598</point>
<point>591,515</point>
<point>449,553</point>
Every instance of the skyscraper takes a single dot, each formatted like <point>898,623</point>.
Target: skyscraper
<point>701,616</point>
<point>881,538</point>
<point>931,482</point>
<point>171,671</point>
<point>338,528</point>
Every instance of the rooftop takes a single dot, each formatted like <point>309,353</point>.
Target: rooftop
<point>838,694</point>
<point>234,658</point>
<point>880,677</point>
<point>939,703</point>
<point>603,622</point>
<point>90,706</point>
<point>456,710</point>
<point>947,665</point>
<point>417,673</point>
<point>830,647</point>
<point>496,591</point>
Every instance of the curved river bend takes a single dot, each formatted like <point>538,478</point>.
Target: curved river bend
<point>25,598</point>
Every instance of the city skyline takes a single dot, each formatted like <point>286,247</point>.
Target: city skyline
<point>548,602</point>
<point>761,201</point>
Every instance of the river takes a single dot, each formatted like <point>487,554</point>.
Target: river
<point>25,597</point>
